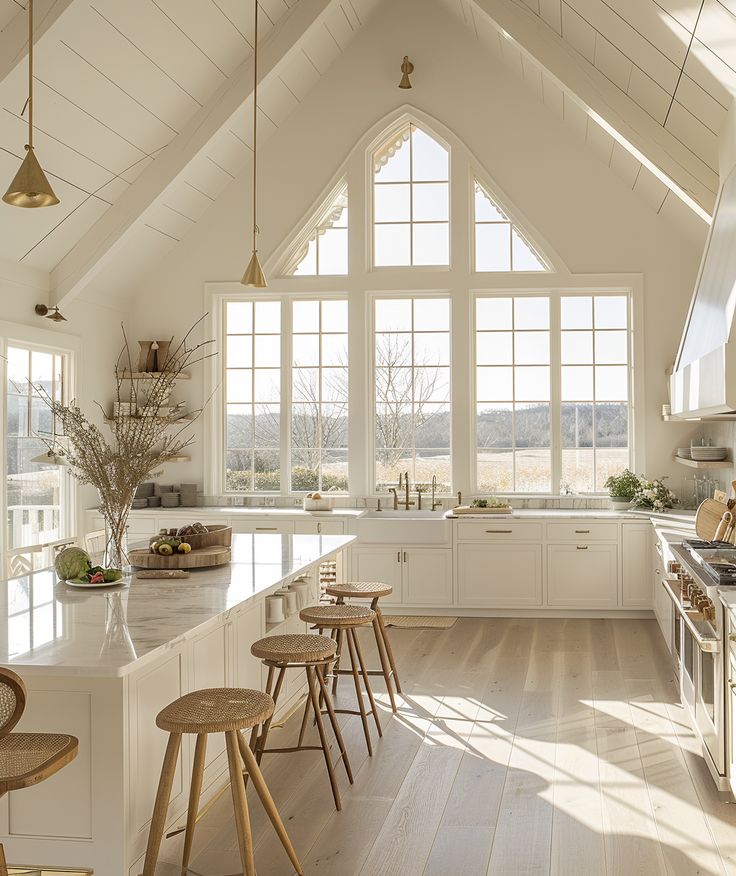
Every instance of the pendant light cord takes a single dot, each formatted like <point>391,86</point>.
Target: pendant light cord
<point>30,74</point>
<point>255,123</point>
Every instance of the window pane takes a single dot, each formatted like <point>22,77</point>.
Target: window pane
<point>577,348</point>
<point>531,348</point>
<point>523,257</point>
<point>578,470</point>
<point>392,245</point>
<point>267,473</point>
<point>305,470</point>
<point>431,244</point>
<point>433,426</point>
<point>432,348</point>
<point>334,424</point>
<point>431,314</point>
<point>239,386</point>
<point>305,349</point>
<point>239,426</point>
<point>612,424</point>
<point>430,159</point>
<point>609,461</point>
<point>305,316</point>
<point>611,382</point>
<point>239,470</point>
<point>334,317</point>
<point>394,385</point>
<point>307,266</point>
<point>266,425</point>
<point>430,463</point>
<point>239,351</point>
<point>393,349</point>
<point>394,167</point>
<point>495,384</point>
<point>335,350</point>
<point>493,247</point>
<point>431,385</point>
<point>266,386</point>
<point>333,251</point>
<point>334,470</point>
<point>334,384</point>
<point>577,425</point>
<point>576,312</point>
<point>611,311</point>
<point>493,313</point>
<point>531,382</point>
<point>239,317</point>
<point>391,203</point>
<point>611,347</point>
<point>267,351</point>
<point>431,202</point>
<point>495,425</point>
<point>533,470</point>
<point>531,313</point>
<point>494,348</point>
<point>496,471</point>
<point>485,209</point>
<point>532,425</point>
<point>304,426</point>
<point>393,315</point>
<point>577,382</point>
<point>268,317</point>
<point>305,384</point>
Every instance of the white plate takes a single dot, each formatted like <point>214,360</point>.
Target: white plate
<point>96,586</point>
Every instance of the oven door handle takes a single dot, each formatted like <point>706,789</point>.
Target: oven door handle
<point>707,643</point>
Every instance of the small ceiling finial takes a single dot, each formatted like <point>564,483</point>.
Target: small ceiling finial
<point>406,68</point>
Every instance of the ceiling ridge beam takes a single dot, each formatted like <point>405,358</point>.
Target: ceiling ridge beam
<point>598,96</point>
<point>93,251</point>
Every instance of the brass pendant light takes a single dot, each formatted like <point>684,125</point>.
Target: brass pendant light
<point>254,275</point>
<point>30,187</point>
<point>406,68</point>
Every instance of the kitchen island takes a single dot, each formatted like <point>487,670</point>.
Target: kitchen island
<point>100,664</point>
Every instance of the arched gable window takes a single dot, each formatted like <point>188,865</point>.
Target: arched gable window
<point>411,200</point>
<point>321,249</point>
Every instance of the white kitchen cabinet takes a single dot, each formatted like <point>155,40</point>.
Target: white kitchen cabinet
<point>263,526</point>
<point>636,546</point>
<point>582,576</point>
<point>500,575</point>
<point>419,576</point>
<point>375,563</point>
<point>427,576</point>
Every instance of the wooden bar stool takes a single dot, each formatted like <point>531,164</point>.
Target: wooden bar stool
<point>343,620</point>
<point>26,758</point>
<point>314,654</point>
<point>215,710</point>
<point>372,590</point>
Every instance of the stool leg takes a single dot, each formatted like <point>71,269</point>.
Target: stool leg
<point>338,639</point>
<point>254,731</point>
<point>305,718</point>
<point>367,681</point>
<point>313,695</point>
<point>200,750</point>
<point>261,742</point>
<point>335,725</point>
<point>359,692</point>
<point>240,804</point>
<point>158,821</point>
<point>259,784</point>
<point>3,862</point>
<point>384,662</point>
<point>389,650</point>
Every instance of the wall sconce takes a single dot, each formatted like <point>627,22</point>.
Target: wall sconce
<point>406,68</point>
<point>51,313</point>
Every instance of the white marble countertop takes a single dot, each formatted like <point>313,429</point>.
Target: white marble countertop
<point>53,629</point>
<point>672,517</point>
<point>245,511</point>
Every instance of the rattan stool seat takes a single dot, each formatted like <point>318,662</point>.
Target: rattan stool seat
<point>294,648</point>
<point>215,710</point>
<point>29,758</point>
<point>360,589</point>
<point>334,616</point>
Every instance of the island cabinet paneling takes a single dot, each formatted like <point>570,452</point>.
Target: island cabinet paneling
<point>209,668</point>
<point>248,627</point>
<point>500,575</point>
<point>582,576</point>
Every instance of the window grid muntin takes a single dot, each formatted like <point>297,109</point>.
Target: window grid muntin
<point>320,333</point>
<point>412,222</point>
<point>412,368</point>
<point>513,402</point>
<point>253,403</point>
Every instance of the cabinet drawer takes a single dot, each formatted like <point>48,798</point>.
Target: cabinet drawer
<point>582,531</point>
<point>264,525</point>
<point>498,530</point>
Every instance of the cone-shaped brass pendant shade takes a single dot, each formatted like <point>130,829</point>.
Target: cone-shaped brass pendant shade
<point>254,275</point>
<point>30,187</point>
<point>406,68</point>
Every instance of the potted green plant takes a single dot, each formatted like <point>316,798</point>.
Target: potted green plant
<point>622,487</point>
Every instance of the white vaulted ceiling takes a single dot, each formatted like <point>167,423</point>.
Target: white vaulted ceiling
<point>142,119</point>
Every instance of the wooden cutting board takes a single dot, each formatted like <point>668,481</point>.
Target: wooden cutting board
<point>707,518</point>
<point>197,558</point>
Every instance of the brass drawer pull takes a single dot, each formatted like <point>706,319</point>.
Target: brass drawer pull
<point>267,529</point>
<point>582,531</point>
<point>582,547</point>
<point>493,531</point>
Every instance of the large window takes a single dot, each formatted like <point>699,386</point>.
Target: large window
<point>594,389</point>
<point>411,201</point>
<point>35,500</point>
<point>412,390</point>
<point>252,396</point>
<point>319,411</point>
<point>525,384</point>
<point>512,353</point>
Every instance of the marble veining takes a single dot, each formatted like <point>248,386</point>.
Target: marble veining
<point>50,628</point>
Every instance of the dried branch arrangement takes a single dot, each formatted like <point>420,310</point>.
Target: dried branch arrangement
<point>138,443</point>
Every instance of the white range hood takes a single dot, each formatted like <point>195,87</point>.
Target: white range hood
<point>703,383</point>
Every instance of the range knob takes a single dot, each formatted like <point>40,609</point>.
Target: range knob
<point>673,567</point>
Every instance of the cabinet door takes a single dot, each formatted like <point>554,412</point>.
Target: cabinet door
<point>582,576</point>
<point>427,578</point>
<point>636,554</point>
<point>379,564</point>
<point>499,576</point>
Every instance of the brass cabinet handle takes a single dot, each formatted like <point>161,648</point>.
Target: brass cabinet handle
<point>398,556</point>
<point>493,531</point>
<point>267,529</point>
<point>319,527</point>
<point>582,547</point>
<point>582,531</point>
<point>404,556</point>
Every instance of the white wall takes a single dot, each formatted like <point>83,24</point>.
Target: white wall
<point>590,218</point>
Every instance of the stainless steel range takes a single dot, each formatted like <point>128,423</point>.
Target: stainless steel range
<point>699,569</point>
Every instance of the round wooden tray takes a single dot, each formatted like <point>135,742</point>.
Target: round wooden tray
<point>197,558</point>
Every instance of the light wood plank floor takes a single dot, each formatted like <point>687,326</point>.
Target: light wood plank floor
<point>522,746</point>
